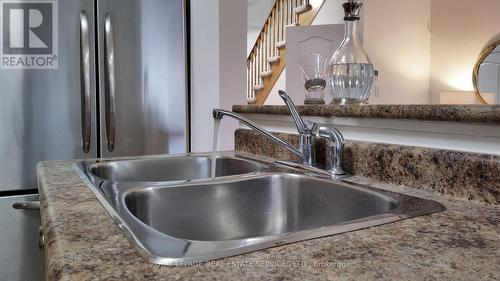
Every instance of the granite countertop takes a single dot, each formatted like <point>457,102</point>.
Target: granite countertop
<point>461,243</point>
<point>484,114</point>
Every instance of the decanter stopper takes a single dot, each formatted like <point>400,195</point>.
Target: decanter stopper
<point>352,9</point>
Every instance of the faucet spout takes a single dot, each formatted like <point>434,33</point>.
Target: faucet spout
<point>220,113</point>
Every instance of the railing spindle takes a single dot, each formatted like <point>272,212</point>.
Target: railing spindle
<point>285,9</point>
<point>290,11</point>
<point>280,22</point>
<point>283,20</point>
<point>275,32</point>
<point>286,12</point>
<point>249,96</point>
<point>268,46</point>
<point>295,15</point>
<point>260,60</point>
<point>267,49</point>
<point>257,70</point>
<point>250,92</point>
<point>253,69</point>
<point>263,55</point>
<point>266,33</point>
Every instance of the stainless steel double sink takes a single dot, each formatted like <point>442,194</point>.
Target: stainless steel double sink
<point>176,213</point>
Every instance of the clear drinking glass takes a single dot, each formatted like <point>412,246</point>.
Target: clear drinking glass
<point>314,68</point>
<point>350,71</point>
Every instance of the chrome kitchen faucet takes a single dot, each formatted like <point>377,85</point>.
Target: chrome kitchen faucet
<point>308,132</point>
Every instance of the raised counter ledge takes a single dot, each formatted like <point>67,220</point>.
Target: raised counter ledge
<point>483,114</point>
<point>463,243</point>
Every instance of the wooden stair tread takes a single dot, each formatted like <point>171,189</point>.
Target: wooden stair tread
<point>265,74</point>
<point>258,87</point>
<point>303,9</point>
<point>274,59</point>
<point>281,44</point>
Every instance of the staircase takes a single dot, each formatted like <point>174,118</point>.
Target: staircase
<point>267,59</point>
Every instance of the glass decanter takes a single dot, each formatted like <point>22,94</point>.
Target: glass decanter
<point>350,71</point>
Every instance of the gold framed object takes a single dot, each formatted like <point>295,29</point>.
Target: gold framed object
<point>487,50</point>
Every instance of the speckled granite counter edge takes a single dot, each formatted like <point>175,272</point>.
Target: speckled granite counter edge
<point>468,176</point>
<point>483,114</point>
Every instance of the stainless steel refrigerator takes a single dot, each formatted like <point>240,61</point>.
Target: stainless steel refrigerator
<point>87,79</point>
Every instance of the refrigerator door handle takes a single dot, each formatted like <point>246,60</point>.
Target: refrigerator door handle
<point>109,80</point>
<point>85,81</point>
<point>34,205</point>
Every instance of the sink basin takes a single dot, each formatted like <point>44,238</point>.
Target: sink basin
<point>172,168</point>
<point>174,213</point>
<point>261,206</point>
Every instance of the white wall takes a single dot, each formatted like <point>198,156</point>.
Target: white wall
<point>218,59</point>
<point>274,98</point>
<point>233,60</point>
<point>204,71</point>
<point>257,13</point>
<point>330,13</point>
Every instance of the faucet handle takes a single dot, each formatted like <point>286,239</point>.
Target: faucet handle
<point>299,122</point>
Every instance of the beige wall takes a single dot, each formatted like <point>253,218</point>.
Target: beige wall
<point>460,28</point>
<point>397,40</point>
<point>427,46</point>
